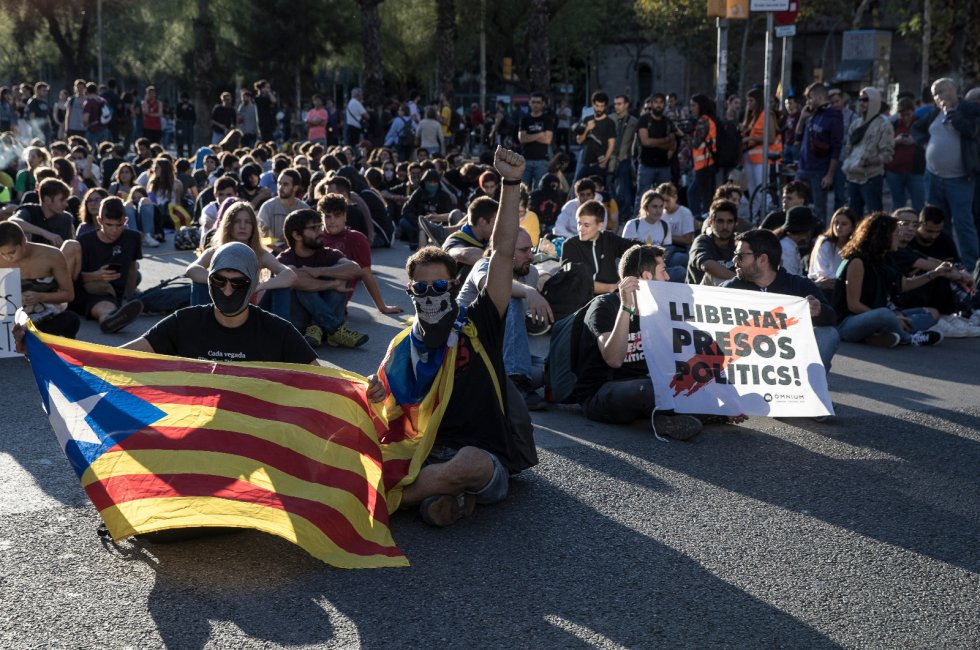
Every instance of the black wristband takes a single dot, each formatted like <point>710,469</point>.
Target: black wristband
<point>510,181</point>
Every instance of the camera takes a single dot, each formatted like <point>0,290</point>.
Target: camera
<point>686,126</point>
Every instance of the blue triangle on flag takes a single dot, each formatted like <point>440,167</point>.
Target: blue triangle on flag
<point>89,414</point>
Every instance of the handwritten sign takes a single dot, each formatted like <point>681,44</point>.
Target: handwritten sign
<point>10,293</point>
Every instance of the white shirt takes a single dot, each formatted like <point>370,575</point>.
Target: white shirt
<point>565,224</point>
<point>656,233</point>
<point>681,222</point>
<point>791,256</point>
<point>355,111</point>
<point>824,261</point>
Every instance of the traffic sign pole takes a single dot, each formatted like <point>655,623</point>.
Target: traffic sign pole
<point>766,98</point>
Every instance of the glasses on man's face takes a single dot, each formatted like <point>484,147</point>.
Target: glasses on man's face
<point>739,256</point>
<point>434,288</point>
<point>219,281</point>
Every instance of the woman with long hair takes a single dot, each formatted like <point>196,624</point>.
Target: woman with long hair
<point>870,278</point>
<point>825,258</point>
<point>163,189</point>
<point>123,180</point>
<point>90,210</point>
<point>239,223</point>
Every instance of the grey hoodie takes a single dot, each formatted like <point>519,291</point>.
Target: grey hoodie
<point>867,158</point>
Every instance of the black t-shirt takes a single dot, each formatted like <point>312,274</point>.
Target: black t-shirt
<point>124,251</point>
<point>267,115</point>
<point>601,255</point>
<point>653,156</point>
<point>321,258</point>
<point>942,249</point>
<point>473,416</point>
<point>594,372</point>
<point>195,333</point>
<point>60,224</point>
<point>706,249</point>
<point>598,139</point>
<point>532,126</point>
<point>186,112</point>
<point>40,109</point>
<point>226,115</point>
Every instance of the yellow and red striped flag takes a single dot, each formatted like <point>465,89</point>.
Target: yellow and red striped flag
<point>297,451</point>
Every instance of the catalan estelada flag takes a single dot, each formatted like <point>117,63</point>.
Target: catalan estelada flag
<point>163,442</point>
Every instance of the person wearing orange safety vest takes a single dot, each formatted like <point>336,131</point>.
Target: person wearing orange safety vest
<point>704,142</point>
<point>753,132</point>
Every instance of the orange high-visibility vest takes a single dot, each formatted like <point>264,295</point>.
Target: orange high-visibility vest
<point>757,133</point>
<point>704,154</point>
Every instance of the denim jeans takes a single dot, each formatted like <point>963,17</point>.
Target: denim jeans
<point>517,349</point>
<point>622,189</point>
<point>147,214</point>
<point>828,340</point>
<point>865,197</point>
<point>904,187</point>
<point>322,308</point>
<point>818,195</point>
<point>533,171</point>
<point>955,197</point>
<point>858,327</point>
<point>648,178</point>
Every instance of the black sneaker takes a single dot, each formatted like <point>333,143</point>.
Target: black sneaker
<point>122,317</point>
<point>926,337</point>
<point>678,427</point>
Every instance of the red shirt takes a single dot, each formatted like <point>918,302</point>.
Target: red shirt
<point>354,245</point>
<point>152,122</point>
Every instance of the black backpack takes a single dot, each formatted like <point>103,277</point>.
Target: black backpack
<point>564,357</point>
<point>406,134</point>
<point>568,289</point>
<point>728,146</point>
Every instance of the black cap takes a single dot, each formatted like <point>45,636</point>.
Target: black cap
<point>799,219</point>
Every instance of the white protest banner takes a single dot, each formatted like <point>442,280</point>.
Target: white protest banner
<point>9,304</point>
<point>729,352</point>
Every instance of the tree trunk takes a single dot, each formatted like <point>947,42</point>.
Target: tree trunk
<point>203,66</point>
<point>371,45</point>
<point>446,33</point>
<point>74,56</point>
<point>539,58</point>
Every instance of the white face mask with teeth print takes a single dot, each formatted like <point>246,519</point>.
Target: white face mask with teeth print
<point>435,318</point>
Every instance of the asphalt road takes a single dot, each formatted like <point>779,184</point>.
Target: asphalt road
<point>858,532</point>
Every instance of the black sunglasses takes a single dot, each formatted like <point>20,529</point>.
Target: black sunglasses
<point>434,288</point>
<point>219,282</point>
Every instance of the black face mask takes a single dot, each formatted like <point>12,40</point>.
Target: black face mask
<point>231,305</point>
<point>434,318</point>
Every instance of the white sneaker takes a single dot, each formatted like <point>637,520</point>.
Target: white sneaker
<point>955,327</point>
<point>975,318</point>
<point>149,241</point>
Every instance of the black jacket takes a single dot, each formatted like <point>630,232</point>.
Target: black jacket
<point>791,285</point>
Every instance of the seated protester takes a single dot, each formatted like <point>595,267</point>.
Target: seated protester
<point>228,327</point>
<point>871,279</point>
<point>598,249</point>
<point>565,225</point>
<point>930,239</point>
<point>650,229</point>
<point>732,192</point>
<point>429,200</point>
<point>608,202</point>
<point>48,222</point>
<point>353,245</point>
<point>358,212</point>
<point>239,223</point>
<point>682,227</point>
<point>478,442</point>
<point>529,219</point>
<point>163,189</point>
<point>523,369</point>
<point>793,235</point>
<point>224,188</point>
<point>487,186</point>
<point>249,189</point>
<point>547,201</point>
<point>466,245</point>
<point>711,255</point>
<point>758,256</point>
<point>320,292</point>
<point>45,284</point>
<point>41,174</point>
<point>272,214</point>
<point>942,297</point>
<point>269,179</point>
<point>825,258</point>
<point>794,193</point>
<point>102,264</point>
<point>614,383</point>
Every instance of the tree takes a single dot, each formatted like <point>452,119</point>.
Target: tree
<point>69,23</point>
<point>371,46</point>
<point>203,63</point>
<point>446,37</point>
<point>539,62</point>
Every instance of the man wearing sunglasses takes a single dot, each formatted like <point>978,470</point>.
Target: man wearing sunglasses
<point>229,329</point>
<point>477,444</point>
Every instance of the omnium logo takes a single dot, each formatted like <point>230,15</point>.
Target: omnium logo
<point>784,397</point>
